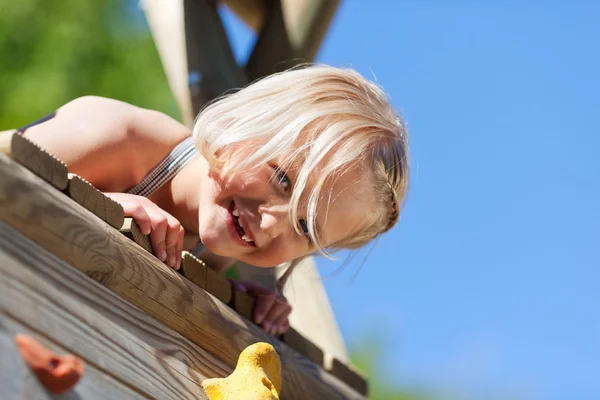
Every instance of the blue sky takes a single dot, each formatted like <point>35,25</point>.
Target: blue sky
<point>488,287</point>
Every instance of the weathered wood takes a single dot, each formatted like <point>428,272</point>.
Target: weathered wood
<point>34,158</point>
<point>43,292</point>
<point>18,382</point>
<point>312,315</point>
<point>91,246</point>
<point>131,229</point>
<point>94,200</point>
<point>291,34</point>
<point>165,19</point>
<point>252,12</point>
<point>205,277</point>
<point>243,303</point>
<point>5,139</point>
<point>303,346</point>
<point>212,68</point>
<point>347,374</point>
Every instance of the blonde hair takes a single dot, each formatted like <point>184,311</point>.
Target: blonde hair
<point>315,116</point>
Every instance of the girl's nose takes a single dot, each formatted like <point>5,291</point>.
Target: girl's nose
<point>274,220</point>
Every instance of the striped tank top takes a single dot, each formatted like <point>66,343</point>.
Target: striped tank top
<point>162,173</point>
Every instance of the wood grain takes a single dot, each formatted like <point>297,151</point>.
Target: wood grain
<point>44,292</point>
<point>38,161</point>
<point>18,382</point>
<point>347,374</point>
<point>243,303</point>
<point>303,346</point>
<point>93,247</point>
<point>131,229</point>
<point>94,200</point>
<point>205,277</point>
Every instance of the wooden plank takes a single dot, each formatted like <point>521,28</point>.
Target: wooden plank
<point>165,19</point>
<point>252,12</point>
<point>5,139</point>
<point>212,68</point>
<point>205,277</point>
<point>291,34</point>
<point>94,200</point>
<point>303,346</point>
<point>243,303</point>
<point>347,374</point>
<point>18,382</point>
<point>131,229</point>
<point>93,247</point>
<point>312,314</point>
<point>43,292</point>
<point>193,268</point>
<point>34,158</point>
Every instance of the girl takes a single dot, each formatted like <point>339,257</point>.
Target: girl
<point>300,162</point>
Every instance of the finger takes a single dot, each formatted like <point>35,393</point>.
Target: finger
<point>263,305</point>
<point>158,235</point>
<point>180,237</point>
<point>277,314</point>
<point>282,322</point>
<point>139,215</point>
<point>285,326</point>
<point>171,238</point>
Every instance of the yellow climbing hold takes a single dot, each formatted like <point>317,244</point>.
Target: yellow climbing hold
<point>257,376</point>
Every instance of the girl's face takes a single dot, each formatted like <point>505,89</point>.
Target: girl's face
<point>247,218</point>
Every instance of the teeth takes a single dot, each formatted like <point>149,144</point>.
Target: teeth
<point>235,212</point>
<point>247,239</point>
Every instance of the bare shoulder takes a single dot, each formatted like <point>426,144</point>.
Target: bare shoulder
<point>111,143</point>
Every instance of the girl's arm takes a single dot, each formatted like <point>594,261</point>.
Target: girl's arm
<point>110,143</point>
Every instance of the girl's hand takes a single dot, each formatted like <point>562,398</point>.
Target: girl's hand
<point>166,233</point>
<point>271,309</point>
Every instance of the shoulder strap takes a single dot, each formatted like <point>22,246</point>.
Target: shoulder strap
<point>166,169</point>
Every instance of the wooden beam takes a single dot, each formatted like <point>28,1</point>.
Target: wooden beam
<point>212,69</point>
<point>291,35</point>
<point>205,277</point>
<point>131,229</point>
<point>18,382</point>
<point>34,158</point>
<point>303,346</point>
<point>252,12</point>
<point>93,247</point>
<point>165,19</point>
<point>95,201</point>
<point>41,291</point>
<point>349,375</point>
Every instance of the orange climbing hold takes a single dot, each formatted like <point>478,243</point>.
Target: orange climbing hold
<point>57,373</point>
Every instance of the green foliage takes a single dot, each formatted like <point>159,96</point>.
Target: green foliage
<point>367,358</point>
<point>53,51</point>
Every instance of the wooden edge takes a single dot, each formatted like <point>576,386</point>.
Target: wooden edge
<point>193,268</point>
<point>205,277</point>
<point>303,346</point>
<point>37,160</point>
<point>252,12</point>
<point>5,139</point>
<point>94,200</point>
<point>131,229</point>
<point>348,375</point>
<point>243,303</point>
<point>147,283</point>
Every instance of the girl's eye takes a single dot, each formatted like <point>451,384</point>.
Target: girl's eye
<point>304,226</point>
<point>283,180</point>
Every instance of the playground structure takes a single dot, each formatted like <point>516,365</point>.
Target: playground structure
<point>143,330</point>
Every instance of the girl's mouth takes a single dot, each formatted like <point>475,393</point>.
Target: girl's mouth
<point>241,234</point>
